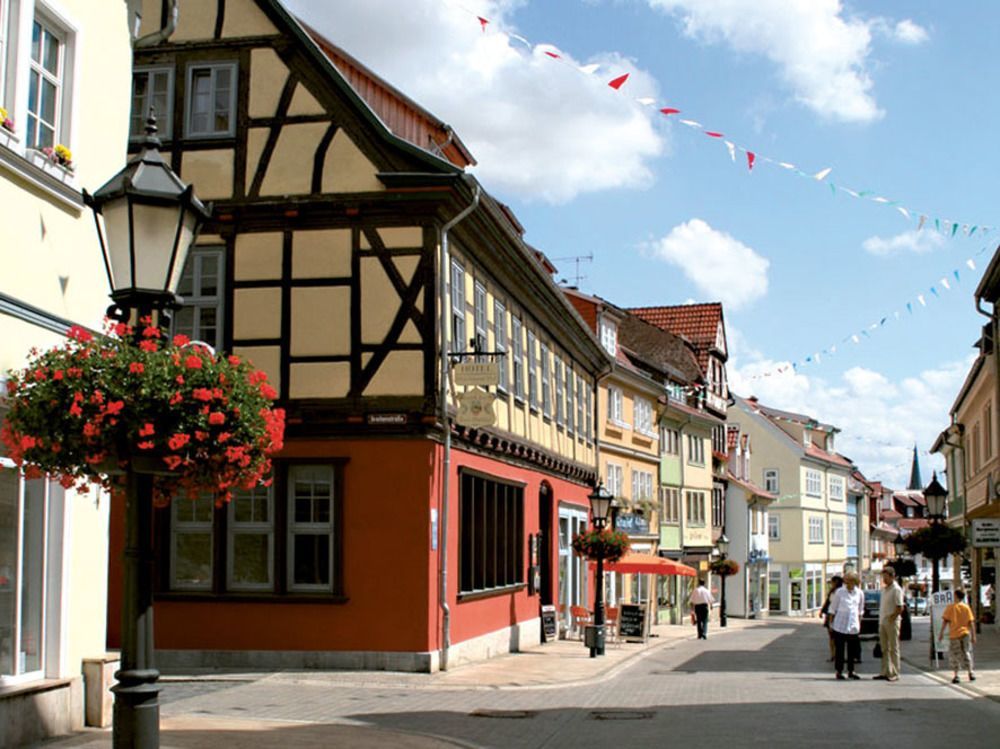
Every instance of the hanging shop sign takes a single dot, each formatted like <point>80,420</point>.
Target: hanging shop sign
<point>477,374</point>
<point>475,409</point>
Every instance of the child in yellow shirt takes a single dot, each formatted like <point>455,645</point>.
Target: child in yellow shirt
<point>962,633</point>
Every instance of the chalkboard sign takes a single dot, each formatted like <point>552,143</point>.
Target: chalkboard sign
<point>548,623</point>
<point>631,619</point>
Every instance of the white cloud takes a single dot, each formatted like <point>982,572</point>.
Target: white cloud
<point>880,420</point>
<point>538,127</point>
<point>718,264</point>
<point>919,242</point>
<point>821,53</point>
<point>908,32</point>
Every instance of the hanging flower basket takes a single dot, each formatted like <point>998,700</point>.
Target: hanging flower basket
<point>936,541</point>
<point>724,567</point>
<point>605,544</point>
<point>88,410</point>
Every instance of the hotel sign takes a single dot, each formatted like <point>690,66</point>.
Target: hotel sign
<point>985,532</point>
<point>475,409</point>
<point>477,374</point>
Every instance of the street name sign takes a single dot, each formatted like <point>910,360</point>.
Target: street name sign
<point>985,532</point>
<point>478,374</point>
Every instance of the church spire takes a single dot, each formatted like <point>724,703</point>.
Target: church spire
<point>915,482</point>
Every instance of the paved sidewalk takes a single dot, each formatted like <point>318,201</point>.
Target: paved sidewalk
<point>552,665</point>
<point>985,657</point>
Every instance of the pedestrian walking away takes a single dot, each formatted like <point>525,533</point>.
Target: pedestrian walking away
<point>889,611</point>
<point>835,582</point>
<point>962,635</point>
<point>701,601</point>
<point>847,605</point>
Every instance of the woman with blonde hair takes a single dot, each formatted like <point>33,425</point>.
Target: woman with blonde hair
<point>847,605</point>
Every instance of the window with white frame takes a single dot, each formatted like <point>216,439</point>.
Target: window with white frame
<point>458,342</point>
<point>615,479</point>
<point>201,289</point>
<point>718,507</point>
<point>211,100</point>
<point>675,391</point>
<point>500,342</point>
<point>771,483</point>
<point>4,34</point>
<point>814,483</point>
<point>695,507</point>
<point>546,383</point>
<point>816,530</point>
<point>616,406</point>
<point>807,438</point>
<point>479,318</point>
<point>560,391</point>
<point>670,505</point>
<point>852,530</point>
<point>773,527</point>
<point>695,449</point>
<point>609,336</point>
<point>836,532</point>
<point>191,543</point>
<point>589,411</point>
<point>570,400</point>
<point>310,527</point>
<point>532,370</point>
<point>250,547</point>
<point>642,486</point>
<point>836,488</point>
<point>152,92</point>
<point>644,416</point>
<point>517,347</point>
<point>670,439</point>
<point>46,84</point>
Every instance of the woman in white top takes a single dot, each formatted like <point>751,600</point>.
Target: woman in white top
<point>846,608</point>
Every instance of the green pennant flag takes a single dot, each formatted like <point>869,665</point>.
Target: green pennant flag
<point>937,224</point>
<point>954,228</point>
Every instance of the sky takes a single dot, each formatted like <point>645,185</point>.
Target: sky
<point>890,101</point>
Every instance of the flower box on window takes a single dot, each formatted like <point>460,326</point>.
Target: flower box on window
<point>8,136</point>
<point>49,162</point>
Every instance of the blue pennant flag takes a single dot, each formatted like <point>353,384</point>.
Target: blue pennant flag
<point>909,306</point>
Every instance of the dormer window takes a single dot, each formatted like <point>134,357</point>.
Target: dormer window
<point>609,336</point>
<point>807,438</point>
<point>829,443</point>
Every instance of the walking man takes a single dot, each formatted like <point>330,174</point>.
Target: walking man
<point>701,601</point>
<point>962,633</point>
<point>889,612</point>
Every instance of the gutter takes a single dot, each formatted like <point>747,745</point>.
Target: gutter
<point>446,425</point>
<point>151,40</point>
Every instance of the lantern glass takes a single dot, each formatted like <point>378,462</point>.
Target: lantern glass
<point>935,503</point>
<point>600,504</point>
<point>723,544</point>
<point>154,227</point>
<point>118,242</point>
<point>900,545</point>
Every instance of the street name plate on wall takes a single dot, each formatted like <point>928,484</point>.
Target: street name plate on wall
<point>387,419</point>
<point>481,374</point>
<point>475,409</point>
<point>985,532</point>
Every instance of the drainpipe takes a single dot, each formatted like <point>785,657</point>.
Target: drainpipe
<point>151,40</point>
<point>446,425</point>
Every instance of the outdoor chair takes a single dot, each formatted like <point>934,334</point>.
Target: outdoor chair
<point>580,618</point>
<point>611,625</point>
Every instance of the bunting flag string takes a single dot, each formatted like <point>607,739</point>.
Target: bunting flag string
<point>944,226</point>
<point>855,338</point>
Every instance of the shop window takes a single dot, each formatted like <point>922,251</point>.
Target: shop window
<point>491,529</point>
<point>211,100</point>
<point>201,291</point>
<point>152,91</point>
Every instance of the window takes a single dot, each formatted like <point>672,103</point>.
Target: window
<point>988,431</point>
<point>457,307</point>
<point>518,348</point>
<point>675,391</point>
<point>479,318</point>
<point>570,408</point>
<point>491,529</point>
<point>642,486</point>
<point>580,397</point>
<point>807,438</point>
<point>814,483</point>
<point>201,289</point>
<point>152,89</point>
<point>616,482</point>
<point>773,527</point>
<point>771,483</point>
<point>310,528</point>
<point>643,416</point>
<point>532,371</point>
<point>4,21</point>
<point>546,383</point>
<point>670,505</point>
<point>500,342</point>
<point>45,85</point>
<point>816,530</point>
<point>670,439</point>
<point>718,508</point>
<point>590,411</point>
<point>836,488</point>
<point>560,392</point>
<point>609,336</point>
<point>696,449</point>
<point>191,543</point>
<point>975,456</point>
<point>852,530</point>
<point>836,532</point>
<point>211,100</point>
<point>695,502</point>
<point>250,564</point>
<point>616,406</point>
<point>719,439</point>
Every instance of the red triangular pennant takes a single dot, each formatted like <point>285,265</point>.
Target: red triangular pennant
<point>553,55</point>
<point>750,159</point>
<point>482,22</point>
<point>668,111</point>
<point>618,82</point>
<point>712,134</point>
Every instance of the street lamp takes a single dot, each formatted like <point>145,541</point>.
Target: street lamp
<point>899,544</point>
<point>147,219</point>
<point>601,501</point>
<point>723,546</point>
<point>935,495</point>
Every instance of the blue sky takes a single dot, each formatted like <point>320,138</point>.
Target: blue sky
<point>895,101</point>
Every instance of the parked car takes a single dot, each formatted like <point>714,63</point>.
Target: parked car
<point>918,606</point>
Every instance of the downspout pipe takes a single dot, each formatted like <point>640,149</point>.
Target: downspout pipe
<point>151,40</point>
<point>446,426</point>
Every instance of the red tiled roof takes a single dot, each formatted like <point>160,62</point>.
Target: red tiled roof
<point>814,452</point>
<point>699,323</point>
<point>905,500</point>
<point>750,487</point>
<point>891,514</point>
<point>912,524</point>
<point>585,305</point>
<point>673,405</point>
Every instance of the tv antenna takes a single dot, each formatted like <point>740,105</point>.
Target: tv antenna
<point>577,259</point>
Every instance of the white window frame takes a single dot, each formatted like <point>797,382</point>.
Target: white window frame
<point>215,67</point>
<point>814,483</point>
<point>643,416</point>
<point>589,411</point>
<point>836,481</point>
<point>457,296</point>
<point>670,505</point>
<point>616,479</point>
<point>609,336</point>
<point>296,528</point>
<point>165,118</point>
<point>696,450</point>
<point>616,406</point>
<point>179,527</point>
<point>546,382</point>
<point>772,480</point>
<point>773,527</point>
<point>517,346</point>
<point>695,508</point>
<point>480,324</point>
<point>560,372</point>
<point>250,528</point>
<point>59,80</point>
<point>836,532</point>
<point>670,439</point>
<point>817,531</point>
<point>500,342</point>
<point>532,370</point>
<point>571,380</point>
<point>4,49</point>
<point>642,486</point>
<point>200,302</point>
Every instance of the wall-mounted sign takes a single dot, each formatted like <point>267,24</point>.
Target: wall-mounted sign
<point>475,409</point>
<point>986,532</point>
<point>632,524</point>
<point>384,419</point>
<point>479,374</point>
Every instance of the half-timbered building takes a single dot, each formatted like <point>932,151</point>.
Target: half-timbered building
<point>353,259</point>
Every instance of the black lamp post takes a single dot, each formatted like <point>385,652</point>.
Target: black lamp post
<point>936,495</point>
<point>147,220</point>
<point>723,546</point>
<point>601,501</point>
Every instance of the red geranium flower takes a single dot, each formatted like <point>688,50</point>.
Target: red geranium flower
<point>193,362</point>
<point>215,418</point>
<point>136,367</point>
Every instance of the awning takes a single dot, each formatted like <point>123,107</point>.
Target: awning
<point>647,564</point>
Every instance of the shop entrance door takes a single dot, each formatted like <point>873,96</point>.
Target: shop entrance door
<point>572,568</point>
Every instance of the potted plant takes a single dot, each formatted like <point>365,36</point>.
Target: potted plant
<point>936,541</point>
<point>55,161</point>
<point>606,544</point>
<point>724,567</point>
<point>86,411</point>
<point>7,134</point>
